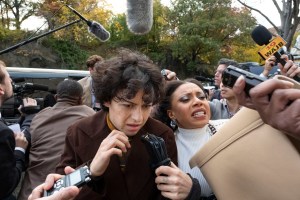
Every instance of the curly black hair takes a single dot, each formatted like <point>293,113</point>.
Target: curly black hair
<point>161,113</point>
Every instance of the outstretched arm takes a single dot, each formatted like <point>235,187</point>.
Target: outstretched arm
<point>276,101</point>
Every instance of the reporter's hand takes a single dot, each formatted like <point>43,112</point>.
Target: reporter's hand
<point>68,193</point>
<point>21,140</point>
<point>290,69</point>
<point>169,75</point>
<point>173,182</point>
<point>269,64</point>
<point>277,103</point>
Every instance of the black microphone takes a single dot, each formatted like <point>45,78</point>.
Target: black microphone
<point>262,36</point>
<point>202,78</point>
<point>139,16</point>
<point>18,79</point>
<point>94,27</point>
<point>32,86</point>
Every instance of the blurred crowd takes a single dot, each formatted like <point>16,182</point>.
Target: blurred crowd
<point>97,123</point>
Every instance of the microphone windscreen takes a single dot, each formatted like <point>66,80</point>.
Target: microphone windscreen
<point>139,16</point>
<point>99,31</point>
<point>261,35</point>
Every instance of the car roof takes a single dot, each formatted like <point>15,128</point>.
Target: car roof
<point>21,72</point>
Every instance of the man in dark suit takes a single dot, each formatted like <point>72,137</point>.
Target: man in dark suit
<point>12,147</point>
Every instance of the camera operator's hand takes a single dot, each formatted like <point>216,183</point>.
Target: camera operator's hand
<point>28,102</point>
<point>115,143</point>
<point>67,193</point>
<point>276,101</point>
<point>21,140</point>
<point>29,106</point>
<point>171,178</point>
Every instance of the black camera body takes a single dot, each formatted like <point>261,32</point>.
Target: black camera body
<point>231,74</point>
<point>157,150</point>
<point>9,109</point>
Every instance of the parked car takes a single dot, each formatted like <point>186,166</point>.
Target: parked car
<point>35,83</point>
<point>255,68</point>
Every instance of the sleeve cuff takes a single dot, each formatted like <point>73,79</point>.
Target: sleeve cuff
<point>195,193</point>
<point>20,149</point>
<point>263,76</point>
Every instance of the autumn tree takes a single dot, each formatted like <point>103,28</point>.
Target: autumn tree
<point>5,20</point>
<point>57,14</point>
<point>289,17</point>
<point>20,9</point>
<point>205,30</point>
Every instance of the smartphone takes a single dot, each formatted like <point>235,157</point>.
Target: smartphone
<point>77,178</point>
<point>231,74</point>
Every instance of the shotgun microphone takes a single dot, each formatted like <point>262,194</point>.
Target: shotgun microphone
<point>139,16</point>
<point>94,27</point>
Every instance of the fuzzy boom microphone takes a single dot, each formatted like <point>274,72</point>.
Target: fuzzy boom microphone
<point>94,27</point>
<point>139,16</point>
<point>99,31</point>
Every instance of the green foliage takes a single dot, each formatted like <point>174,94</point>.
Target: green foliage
<point>72,55</point>
<point>204,31</point>
<point>12,36</point>
<point>56,14</point>
<point>188,37</point>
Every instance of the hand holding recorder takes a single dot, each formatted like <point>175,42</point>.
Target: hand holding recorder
<point>67,193</point>
<point>77,178</point>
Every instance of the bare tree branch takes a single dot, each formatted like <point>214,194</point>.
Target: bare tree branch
<point>267,18</point>
<point>289,17</point>
<point>277,7</point>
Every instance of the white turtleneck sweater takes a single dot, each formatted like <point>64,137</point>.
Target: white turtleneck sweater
<point>188,142</point>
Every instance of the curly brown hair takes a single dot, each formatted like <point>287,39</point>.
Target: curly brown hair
<point>125,75</point>
<point>92,60</point>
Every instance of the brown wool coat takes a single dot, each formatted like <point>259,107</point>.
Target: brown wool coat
<point>86,86</point>
<point>137,182</point>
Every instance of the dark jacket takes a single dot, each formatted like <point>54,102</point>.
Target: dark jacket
<point>12,162</point>
<point>137,181</point>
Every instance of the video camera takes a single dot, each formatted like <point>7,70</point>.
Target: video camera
<point>27,88</point>
<point>9,109</point>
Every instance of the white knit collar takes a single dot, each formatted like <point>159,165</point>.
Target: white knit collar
<point>192,131</point>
